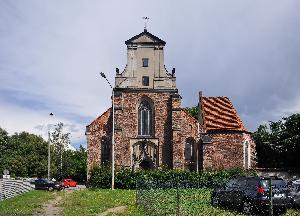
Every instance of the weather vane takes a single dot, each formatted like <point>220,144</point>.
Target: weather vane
<point>146,20</point>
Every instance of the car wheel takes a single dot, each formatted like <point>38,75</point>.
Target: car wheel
<point>50,188</point>
<point>215,201</point>
<point>247,207</point>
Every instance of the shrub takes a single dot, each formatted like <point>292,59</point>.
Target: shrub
<point>126,179</point>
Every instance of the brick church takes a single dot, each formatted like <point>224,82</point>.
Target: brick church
<point>152,130</point>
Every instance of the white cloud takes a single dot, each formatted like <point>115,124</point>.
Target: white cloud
<point>53,51</point>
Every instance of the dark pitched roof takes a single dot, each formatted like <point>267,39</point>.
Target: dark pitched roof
<point>219,114</point>
<point>155,39</point>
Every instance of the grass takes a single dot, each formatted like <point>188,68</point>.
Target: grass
<point>191,202</point>
<point>25,204</point>
<point>92,202</point>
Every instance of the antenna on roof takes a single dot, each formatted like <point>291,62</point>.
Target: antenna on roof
<point>146,20</point>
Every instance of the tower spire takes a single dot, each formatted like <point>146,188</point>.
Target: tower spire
<point>145,21</point>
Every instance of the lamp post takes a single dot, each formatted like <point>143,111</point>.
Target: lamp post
<point>49,158</point>
<point>113,136</point>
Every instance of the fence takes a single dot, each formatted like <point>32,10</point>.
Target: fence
<point>182,197</point>
<point>178,197</point>
<point>10,188</point>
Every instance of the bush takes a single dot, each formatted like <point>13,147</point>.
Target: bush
<point>126,179</point>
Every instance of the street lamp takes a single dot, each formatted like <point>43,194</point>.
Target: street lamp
<point>113,136</point>
<point>49,140</point>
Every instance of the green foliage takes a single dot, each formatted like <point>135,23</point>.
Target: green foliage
<point>26,155</point>
<point>74,164</point>
<point>59,141</point>
<point>278,143</point>
<point>126,179</point>
<point>193,111</point>
<point>23,154</point>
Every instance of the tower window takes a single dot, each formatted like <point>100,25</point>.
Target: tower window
<point>145,119</point>
<point>145,62</point>
<point>145,80</point>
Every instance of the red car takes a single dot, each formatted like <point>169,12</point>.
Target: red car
<point>69,183</point>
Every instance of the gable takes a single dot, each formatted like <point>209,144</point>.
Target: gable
<point>100,123</point>
<point>145,37</point>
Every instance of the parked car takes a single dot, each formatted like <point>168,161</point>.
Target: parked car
<point>69,182</point>
<point>295,193</point>
<point>45,184</point>
<point>252,194</point>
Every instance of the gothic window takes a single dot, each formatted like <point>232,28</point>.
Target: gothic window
<point>189,151</point>
<point>145,119</point>
<point>105,151</point>
<point>145,62</point>
<point>246,155</point>
<point>145,80</point>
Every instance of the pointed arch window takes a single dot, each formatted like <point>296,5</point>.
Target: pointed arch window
<point>145,119</point>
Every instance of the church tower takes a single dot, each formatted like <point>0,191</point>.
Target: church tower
<point>143,101</point>
<point>145,67</point>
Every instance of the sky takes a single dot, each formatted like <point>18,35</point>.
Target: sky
<point>52,51</point>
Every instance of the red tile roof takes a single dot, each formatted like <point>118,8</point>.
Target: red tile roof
<point>219,114</point>
<point>101,120</point>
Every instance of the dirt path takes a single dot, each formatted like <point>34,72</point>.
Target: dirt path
<point>50,209</point>
<point>118,209</point>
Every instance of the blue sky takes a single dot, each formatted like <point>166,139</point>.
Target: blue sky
<point>51,54</point>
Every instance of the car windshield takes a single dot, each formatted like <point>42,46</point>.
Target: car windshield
<point>280,184</point>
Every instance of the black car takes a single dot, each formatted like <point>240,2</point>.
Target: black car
<point>252,194</point>
<point>45,184</point>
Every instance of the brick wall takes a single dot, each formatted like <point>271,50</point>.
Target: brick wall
<point>96,131</point>
<point>227,150</point>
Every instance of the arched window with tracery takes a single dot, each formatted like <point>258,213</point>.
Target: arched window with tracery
<point>145,115</point>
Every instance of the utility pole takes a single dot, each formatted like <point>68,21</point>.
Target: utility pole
<point>113,135</point>
<point>49,158</point>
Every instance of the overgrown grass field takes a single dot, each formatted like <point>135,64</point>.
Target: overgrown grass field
<point>93,202</point>
<point>25,204</point>
<point>181,202</point>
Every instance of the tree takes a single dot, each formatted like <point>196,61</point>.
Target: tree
<point>193,111</point>
<point>26,155</point>
<point>60,142</point>
<point>75,164</point>
<point>23,154</point>
<point>278,144</point>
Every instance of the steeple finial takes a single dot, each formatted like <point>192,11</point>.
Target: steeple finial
<point>146,20</point>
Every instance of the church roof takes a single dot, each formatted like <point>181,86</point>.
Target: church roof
<point>145,33</point>
<point>219,114</point>
<point>100,120</point>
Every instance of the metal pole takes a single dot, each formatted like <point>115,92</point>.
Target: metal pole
<point>113,135</point>
<point>197,153</point>
<point>113,144</point>
<point>49,153</point>
<point>270,196</point>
